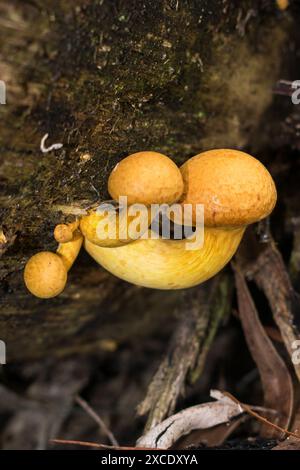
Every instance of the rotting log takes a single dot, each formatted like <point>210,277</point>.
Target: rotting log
<point>108,78</point>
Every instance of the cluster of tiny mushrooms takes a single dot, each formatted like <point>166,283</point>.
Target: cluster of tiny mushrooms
<point>235,189</point>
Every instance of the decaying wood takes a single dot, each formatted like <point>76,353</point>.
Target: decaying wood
<point>106,79</point>
<point>201,310</point>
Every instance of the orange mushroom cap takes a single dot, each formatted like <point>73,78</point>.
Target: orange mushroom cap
<point>45,275</point>
<point>234,187</point>
<point>146,178</point>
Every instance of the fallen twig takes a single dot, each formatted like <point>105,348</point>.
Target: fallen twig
<point>253,413</point>
<point>97,445</point>
<point>97,419</point>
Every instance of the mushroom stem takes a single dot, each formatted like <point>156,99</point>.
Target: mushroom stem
<point>69,251</point>
<point>167,264</point>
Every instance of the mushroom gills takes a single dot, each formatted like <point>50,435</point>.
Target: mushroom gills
<point>167,264</point>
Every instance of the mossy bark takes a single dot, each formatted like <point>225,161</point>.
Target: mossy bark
<point>108,78</point>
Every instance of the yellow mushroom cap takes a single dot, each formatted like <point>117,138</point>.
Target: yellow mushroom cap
<point>146,178</point>
<point>234,187</point>
<point>45,275</point>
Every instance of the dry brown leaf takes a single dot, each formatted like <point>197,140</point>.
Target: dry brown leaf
<point>210,437</point>
<point>276,381</point>
<point>270,274</point>
<point>291,442</point>
<point>203,416</point>
<point>264,264</point>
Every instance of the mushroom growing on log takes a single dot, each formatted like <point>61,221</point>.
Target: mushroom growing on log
<point>197,75</point>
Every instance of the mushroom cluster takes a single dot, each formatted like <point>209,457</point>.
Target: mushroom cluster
<point>234,188</point>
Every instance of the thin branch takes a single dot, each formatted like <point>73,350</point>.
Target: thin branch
<point>96,445</point>
<point>250,411</point>
<point>89,410</point>
<point>81,443</point>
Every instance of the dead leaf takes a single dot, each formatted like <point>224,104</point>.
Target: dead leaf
<point>203,416</point>
<point>270,274</point>
<point>276,381</point>
<point>210,437</point>
<point>264,264</point>
<point>291,443</point>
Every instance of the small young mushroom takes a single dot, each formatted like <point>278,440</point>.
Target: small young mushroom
<point>146,178</point>
<point>64,232</point>
<point>235,189</point>
<point>45,273</point>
